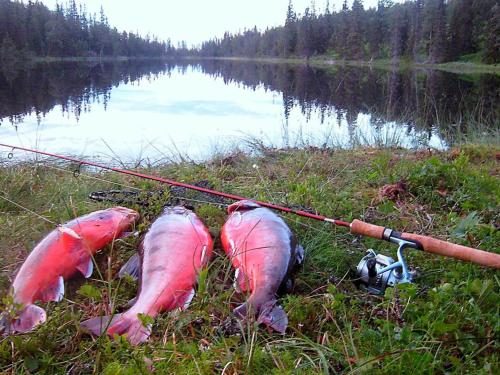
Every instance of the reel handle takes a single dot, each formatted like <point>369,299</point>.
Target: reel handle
<point>432,245</point>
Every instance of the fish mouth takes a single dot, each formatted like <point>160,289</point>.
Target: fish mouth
<point>130,214</point>
<point>242,206</point>
<point>179,210</point>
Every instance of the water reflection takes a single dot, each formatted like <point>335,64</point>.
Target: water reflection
<point>73,86</point>
<point>153,109</point>
<point>420,98</point>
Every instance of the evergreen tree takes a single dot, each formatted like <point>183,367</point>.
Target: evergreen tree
<point>416,30</point>
<point>342,30</point>
<point>34,30</point>
<point>492,38</point>
<point>305,35</point>
<point>399,36</point>
<point>436,31</point>
<point>355,36</point>
<point>289,33</point>
<point>461,25</point>
<point>431,30</point>
<point>9,54</point>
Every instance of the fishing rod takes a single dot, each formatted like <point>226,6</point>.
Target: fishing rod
<point>375,271</point>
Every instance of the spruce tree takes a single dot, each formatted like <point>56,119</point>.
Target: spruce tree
<point>289,34</point>
<point>492,39</point>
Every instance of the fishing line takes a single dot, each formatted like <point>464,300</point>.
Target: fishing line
<point>219,205</point>
<point>28,210</point>
<point>130,187</point>
<point>181,184</point>
<point>90,177</point>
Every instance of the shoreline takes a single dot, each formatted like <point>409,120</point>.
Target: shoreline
<point>457,67</point>
<point>452,67</point>
<point>94,59</point>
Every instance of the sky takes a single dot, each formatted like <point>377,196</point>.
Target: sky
<point>197,20</point>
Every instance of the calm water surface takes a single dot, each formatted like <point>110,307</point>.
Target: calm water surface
<point>162,111</point>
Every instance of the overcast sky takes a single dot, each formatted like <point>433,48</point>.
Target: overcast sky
<point>197,20</point>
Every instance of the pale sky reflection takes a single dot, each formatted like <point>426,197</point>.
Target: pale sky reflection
<point>192,114</point>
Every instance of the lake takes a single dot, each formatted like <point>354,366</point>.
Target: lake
<point>162,111</point>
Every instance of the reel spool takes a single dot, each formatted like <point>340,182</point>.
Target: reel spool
<point>377,272</point>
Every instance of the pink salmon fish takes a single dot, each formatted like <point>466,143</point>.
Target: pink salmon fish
<point>174,250</point>
<point>264,252</point>
<point>62,253</point>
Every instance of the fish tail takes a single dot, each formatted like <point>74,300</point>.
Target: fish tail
<point>273,315</point>
<point>4,325</point>
<point>97,326</point>
<point>247,310</point>
<point>268,313</point>
<point>241,311</point>
<point>119,324</point>
<point>28,318</point>
<point>133,328</point>
<point>132,267</point>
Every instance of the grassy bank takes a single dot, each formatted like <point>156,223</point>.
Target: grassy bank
<point>15,63</point>
<point>320,61</point>
<point>323,61</point>
<point>447,322</point>
<point>94,59</point>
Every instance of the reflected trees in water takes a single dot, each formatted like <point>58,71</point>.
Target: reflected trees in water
<point>422,100</point>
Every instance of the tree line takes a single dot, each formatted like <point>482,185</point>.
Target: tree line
<point>32,30</point>
<point>426,31</point>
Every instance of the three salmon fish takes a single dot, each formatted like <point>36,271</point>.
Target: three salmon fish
<point>262,249</point>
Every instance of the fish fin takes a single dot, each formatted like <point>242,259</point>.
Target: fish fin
<point>132,267</point>
<point>28,319</point>
<point>68,232</point>
<point>132,327</point>
<point>70,240</point>
<point>241,311</point>
<point>86,267</point>
<point>204,257</point>
<point>184,300</point>
<point>132,302</point>
<point>244,311</point>
<point>240,281</point>
<point>273,316</point>
<point>97,326</point>
<point>300,255</point>
<point>54,292</point>
<point>287,285</point>
<point>126,234</point>
<point>4,324</point>
<point>242,205</point>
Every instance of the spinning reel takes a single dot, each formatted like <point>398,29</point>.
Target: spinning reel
<point>377,272</point>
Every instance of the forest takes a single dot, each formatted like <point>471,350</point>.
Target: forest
<point>29,30</point>
<point>422,31</point>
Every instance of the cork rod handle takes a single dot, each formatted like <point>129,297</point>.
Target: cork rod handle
<point>433,245</point>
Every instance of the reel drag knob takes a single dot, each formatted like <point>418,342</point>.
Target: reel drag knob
<point>370,278</point>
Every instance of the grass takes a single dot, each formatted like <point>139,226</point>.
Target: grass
<point>447,322</point>
<point>462,66</point>
<point>93,58</point>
